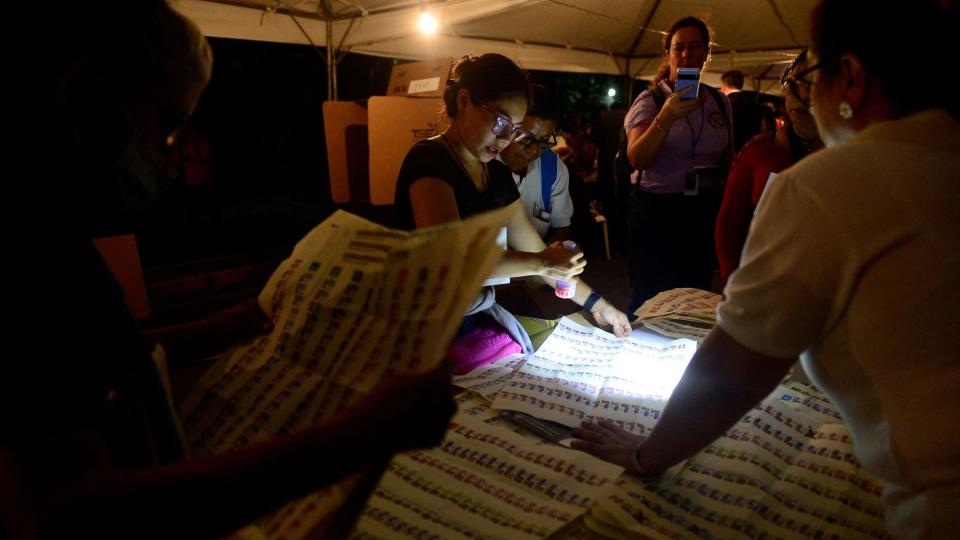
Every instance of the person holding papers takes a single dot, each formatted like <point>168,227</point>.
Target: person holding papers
<point>854,264</point>
<point>456,174</point>
<point>90,446</point>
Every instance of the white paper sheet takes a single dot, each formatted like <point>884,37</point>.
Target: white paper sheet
<point>354,304</point>
<point>786,470</point>
<point>583,373</point>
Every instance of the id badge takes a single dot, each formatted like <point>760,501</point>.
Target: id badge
<point>543,216</point>
<point>691,185</point>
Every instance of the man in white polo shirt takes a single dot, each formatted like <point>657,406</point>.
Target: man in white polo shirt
<point>543,180</point>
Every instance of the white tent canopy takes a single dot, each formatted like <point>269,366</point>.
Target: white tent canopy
<point>592,36</point>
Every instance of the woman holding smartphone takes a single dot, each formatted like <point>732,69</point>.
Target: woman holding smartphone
<point>670,133</point>
<point>455,175</point>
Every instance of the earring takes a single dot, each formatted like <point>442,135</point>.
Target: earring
<point>846,111</point>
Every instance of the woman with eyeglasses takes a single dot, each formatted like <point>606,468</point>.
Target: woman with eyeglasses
<point>680,144</point>
<point>853,264</point>
<point>455,175</point>
<point>762,156</point>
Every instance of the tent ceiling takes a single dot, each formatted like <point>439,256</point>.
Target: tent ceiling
<point>599,36</point>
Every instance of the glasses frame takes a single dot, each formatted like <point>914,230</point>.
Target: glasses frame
<point>525,139</point>
<point>509,131</point>
<point>792,82</point>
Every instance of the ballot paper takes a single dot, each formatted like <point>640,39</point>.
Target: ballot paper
<point>786,470</point>
<point>489,379</point>
<point>680,313</point>
<point>583,373</point>
<point>484,481</point>
<point>355,304</point>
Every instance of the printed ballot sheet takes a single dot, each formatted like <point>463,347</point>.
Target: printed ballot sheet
<point>354,304</point>
<point>485,480</point>
<point>488,380</point>
<point>584,373</point>
<point>786,470</point>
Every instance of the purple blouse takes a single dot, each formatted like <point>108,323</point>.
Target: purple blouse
<point>701,138</point>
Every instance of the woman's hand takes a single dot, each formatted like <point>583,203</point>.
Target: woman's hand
<point>609,442</point>
<point>675,107</point>
<point>557,262</point>
<point>605,314</point>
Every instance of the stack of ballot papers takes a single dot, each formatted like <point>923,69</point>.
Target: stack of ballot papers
<point>680,313</point>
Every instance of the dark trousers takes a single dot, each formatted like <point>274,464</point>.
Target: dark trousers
<point>670,242</point>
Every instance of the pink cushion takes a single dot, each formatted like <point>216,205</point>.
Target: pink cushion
<point>483,345</point>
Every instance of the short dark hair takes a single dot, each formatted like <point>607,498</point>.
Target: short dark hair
<point>489,77</point>
<point>685,22</point>
<point>733,79</point>
<point>544,103</point>
<point>838,27</point>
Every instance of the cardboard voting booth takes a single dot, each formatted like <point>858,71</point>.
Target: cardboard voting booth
<point>366,145</point>
<point>396,123</point>
<point>421,79</point>
<point>347,163</point>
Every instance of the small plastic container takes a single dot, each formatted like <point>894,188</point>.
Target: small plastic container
<point>566,289</point>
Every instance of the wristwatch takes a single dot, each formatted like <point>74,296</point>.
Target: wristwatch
<point>592,300</point>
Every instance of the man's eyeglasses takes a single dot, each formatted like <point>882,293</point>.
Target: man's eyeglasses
<point>527,139</point>
<point>798,84</point>
<point>502,127</point>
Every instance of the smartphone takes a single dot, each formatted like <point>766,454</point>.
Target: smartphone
<point>688,77</point>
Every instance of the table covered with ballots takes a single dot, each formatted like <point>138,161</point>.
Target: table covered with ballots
<point>356,303</point>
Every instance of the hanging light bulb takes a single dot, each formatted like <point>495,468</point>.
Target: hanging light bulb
<point>427,24</point>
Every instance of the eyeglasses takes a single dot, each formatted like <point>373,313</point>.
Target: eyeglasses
<point>502,127</point>
<point>798,85</point>
<point>527,139</point>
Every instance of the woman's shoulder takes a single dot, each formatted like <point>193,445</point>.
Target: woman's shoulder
<point>648,96</point>
<point>761,151</point>
<point>428,157</point>
<point>643,109</point>
<point>761,142</point>
<point>427,147</point>
<point>763,146</point>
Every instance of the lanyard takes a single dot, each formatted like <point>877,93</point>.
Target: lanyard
<point>694,140</point>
